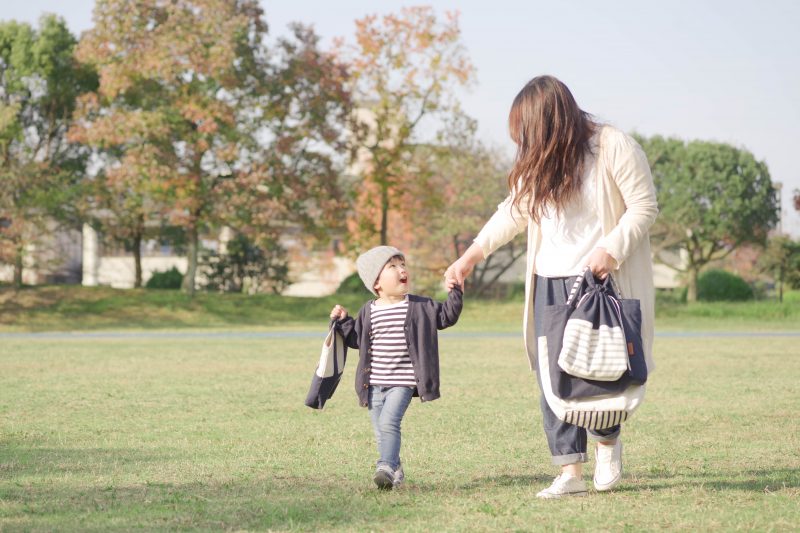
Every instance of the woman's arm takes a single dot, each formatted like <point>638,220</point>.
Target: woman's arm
<point>504,225</point>
<point>631,173</point>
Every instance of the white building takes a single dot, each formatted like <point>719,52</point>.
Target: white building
<point>82,257</point>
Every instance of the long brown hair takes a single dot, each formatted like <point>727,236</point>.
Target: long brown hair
<point>552,135</point>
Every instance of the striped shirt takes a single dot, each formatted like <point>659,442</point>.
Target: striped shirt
<point>391,364</point>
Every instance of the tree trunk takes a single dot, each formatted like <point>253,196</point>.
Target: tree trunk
<point>691,291</point>
<point>137,251</point>
<point>456,248</point>
<point>137,259</point>
<point>191,256</point>
<point>384,215</point>
<point>19,259</point>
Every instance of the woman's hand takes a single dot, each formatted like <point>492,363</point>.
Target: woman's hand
<point>464,265</point>
<point>601,263</point>
<point>458,271</point>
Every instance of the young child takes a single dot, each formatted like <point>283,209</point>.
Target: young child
<point>396,338</point>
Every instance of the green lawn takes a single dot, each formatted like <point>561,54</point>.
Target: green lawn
<point>210,433</point>
<point>67,308</point>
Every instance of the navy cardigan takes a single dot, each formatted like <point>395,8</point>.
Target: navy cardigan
<point>423,320</point>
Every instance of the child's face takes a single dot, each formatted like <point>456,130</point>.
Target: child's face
<point>393,280</point>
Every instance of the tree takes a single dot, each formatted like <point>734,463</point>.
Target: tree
<point>41,172</point>
<point>290,170</point>
<point>451,186</point>
<point>713,197</point>
<point>204,122</point>
<point>454,186</point>
<point>781,259</point>
<point>172,79</point>
<point>403,68</point>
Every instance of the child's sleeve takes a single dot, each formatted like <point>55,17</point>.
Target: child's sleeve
<point>447,313</point>
<point>349,329</point>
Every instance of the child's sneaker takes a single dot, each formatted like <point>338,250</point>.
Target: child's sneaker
<point>384,477</point>
<point>564,485</point>
<point>399,477</point>
<point>608,466</point>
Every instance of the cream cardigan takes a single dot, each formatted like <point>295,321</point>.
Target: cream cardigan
<point>626,199</point>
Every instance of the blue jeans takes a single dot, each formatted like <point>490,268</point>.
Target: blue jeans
<point>387,405</point>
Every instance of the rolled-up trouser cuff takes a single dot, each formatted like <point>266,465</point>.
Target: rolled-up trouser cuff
<point>570,459</point>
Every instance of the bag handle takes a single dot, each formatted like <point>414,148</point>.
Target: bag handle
<point>580,278</point>
<point>613,296</point>
<point>614,286</point>
<point>573,293</point>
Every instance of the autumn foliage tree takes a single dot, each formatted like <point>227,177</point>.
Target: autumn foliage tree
<point>208,125</point>
<point>172,79</point>
<point>453,187</point>
<point>472,181</point>
<point>404,68</point>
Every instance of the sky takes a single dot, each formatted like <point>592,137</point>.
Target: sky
<point>717,70</point>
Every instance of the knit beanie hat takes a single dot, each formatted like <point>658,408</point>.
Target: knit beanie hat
<point>371,262</point>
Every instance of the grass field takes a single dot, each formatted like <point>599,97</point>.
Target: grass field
<point>67,308</point>
<point>210,433</point>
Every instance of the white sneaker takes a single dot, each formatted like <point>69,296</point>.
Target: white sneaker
<point>564,485</point>
<point>399,477</point>
<point>608,465</point>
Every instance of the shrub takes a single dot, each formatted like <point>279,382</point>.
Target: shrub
<point>169,279</point>
<point>246,267</point>
<point>671,296</point>
<point>352,284</point>
<point>718,285</point>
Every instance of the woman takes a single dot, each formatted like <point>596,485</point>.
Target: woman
<point>585,194</point>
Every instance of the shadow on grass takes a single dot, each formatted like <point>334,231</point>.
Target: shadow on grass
<point>507,481</point>
<point>89,489</point>
<point>19,462</point>
<point>754,481</point>
<point>72,489</point>
<point>237,504</point>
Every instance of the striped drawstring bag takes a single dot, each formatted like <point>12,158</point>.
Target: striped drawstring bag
<point>594,345</point>
<point>590,362</point>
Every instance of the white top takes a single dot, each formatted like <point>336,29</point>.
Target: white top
<point>391,364</point>
<point>569,237</point>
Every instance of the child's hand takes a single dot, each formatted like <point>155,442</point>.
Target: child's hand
<point>338,312</point>
<point>450,283</point>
